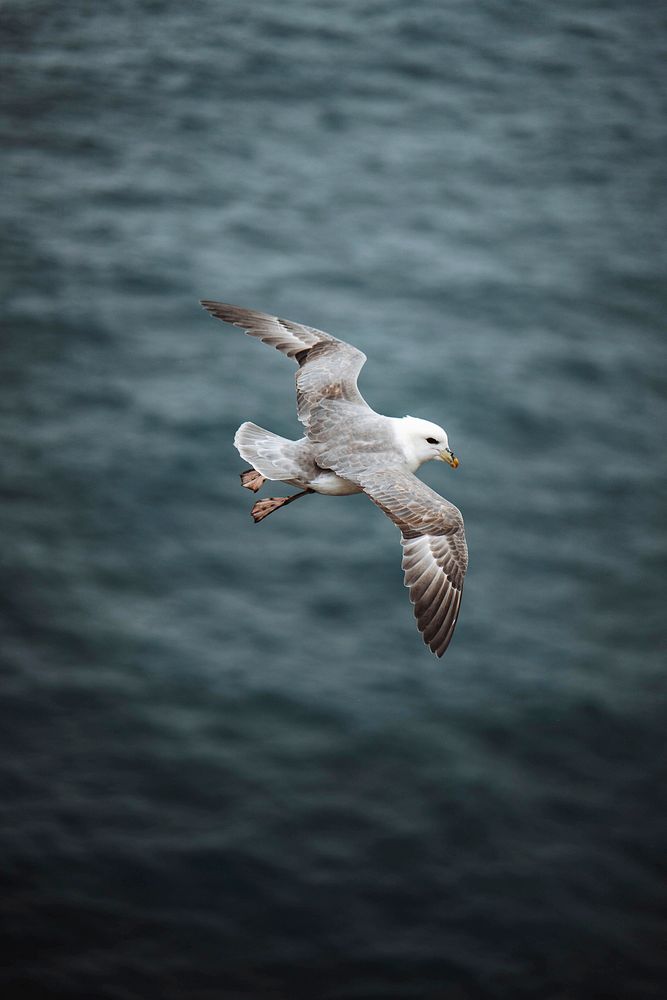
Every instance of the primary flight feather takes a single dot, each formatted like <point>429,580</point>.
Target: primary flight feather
<point>349,448</point>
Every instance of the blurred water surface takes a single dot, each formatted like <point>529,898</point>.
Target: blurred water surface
<point>229,766</point>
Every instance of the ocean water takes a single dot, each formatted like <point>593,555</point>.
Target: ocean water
<point>229,767</point>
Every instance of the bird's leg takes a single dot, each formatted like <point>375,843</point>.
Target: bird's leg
<point>265,507</point>
<point>252,480</point>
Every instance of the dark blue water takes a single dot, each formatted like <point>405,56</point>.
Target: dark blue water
<point>229,766</point>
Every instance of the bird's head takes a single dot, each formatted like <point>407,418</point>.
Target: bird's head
<point>426,441</point>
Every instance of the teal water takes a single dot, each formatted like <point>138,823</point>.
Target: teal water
<point>229,766</point>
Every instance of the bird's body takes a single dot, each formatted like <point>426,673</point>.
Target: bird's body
<point>302,455</point>
<point>290,462</point>
<point>349,448</point>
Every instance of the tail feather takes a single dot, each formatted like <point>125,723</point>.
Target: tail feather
<point>273,456</point>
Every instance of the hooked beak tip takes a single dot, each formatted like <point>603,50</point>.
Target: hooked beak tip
<point>448,456</point>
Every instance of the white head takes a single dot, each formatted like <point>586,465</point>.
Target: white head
<point>424,441</point>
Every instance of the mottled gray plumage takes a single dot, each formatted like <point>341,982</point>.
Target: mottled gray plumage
<point>435,554</point>
<point>349,443</point>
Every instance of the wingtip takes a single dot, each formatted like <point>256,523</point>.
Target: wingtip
<point>221,310</point>
<point>228,313</point>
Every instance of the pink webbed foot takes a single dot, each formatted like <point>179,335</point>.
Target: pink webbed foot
<point>265,507</point>
<point>252,480</point>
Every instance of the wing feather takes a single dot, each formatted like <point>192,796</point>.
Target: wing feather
<point>328,367</point>
<point>435,554</point>
<point>288,337</point>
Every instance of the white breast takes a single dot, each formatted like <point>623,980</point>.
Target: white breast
<point>332,485</point>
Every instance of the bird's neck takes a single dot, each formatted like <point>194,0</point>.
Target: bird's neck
<point>407,443</point>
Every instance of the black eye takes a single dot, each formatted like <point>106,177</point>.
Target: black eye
<point>432,441</point>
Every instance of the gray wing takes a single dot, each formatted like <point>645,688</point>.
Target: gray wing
<point>327,380</point>
<point>328,367</point>
<point>287,337</point>
<point>435,554</point>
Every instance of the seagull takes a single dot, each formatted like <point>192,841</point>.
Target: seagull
<point>349,448</point>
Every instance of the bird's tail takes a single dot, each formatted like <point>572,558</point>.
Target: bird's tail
<point>274,456</point>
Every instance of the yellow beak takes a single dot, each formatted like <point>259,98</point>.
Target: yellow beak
<point>448,456</point>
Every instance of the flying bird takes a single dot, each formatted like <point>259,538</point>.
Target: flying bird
<point>349,448</point>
